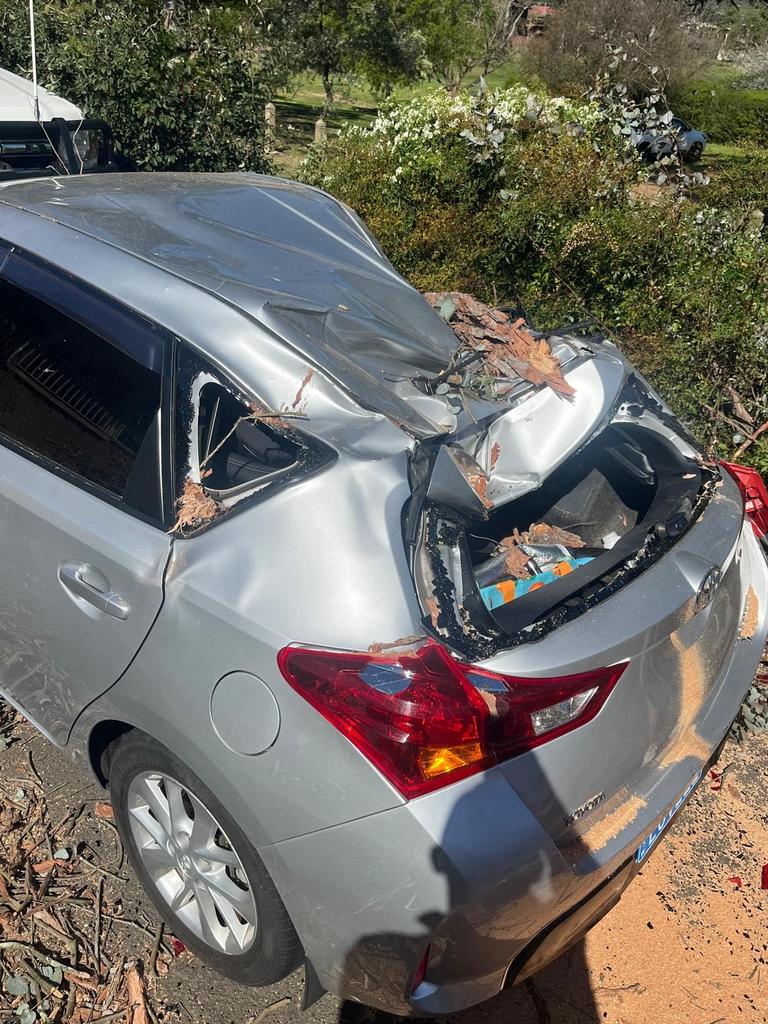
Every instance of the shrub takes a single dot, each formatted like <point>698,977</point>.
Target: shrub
<point>725,113</point>
<point>181,93</point>
<point>533,201</point>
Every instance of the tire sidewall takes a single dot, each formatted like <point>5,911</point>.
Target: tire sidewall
<point>267,960</point>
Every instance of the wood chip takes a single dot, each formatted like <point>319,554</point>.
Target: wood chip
<point>136,996</point>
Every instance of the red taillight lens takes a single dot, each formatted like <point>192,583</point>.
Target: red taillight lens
<point>755,496</point>
<point>421,971</point>
<point>425,719</point>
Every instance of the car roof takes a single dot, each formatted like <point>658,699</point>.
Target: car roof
<point>288,256</point>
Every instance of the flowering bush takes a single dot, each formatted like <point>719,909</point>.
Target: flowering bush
<point>540,202</point>
<point>426,138</point>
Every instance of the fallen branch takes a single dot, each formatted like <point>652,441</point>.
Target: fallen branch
<point>751,440</point>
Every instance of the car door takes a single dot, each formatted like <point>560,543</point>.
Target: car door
<point>84,495</point>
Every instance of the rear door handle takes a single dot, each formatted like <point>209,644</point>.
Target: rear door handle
<point>73,577</point>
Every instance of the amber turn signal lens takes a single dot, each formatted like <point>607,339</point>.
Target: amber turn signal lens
<point>438,760</point>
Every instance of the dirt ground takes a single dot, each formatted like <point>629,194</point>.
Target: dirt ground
<point>687,943</point>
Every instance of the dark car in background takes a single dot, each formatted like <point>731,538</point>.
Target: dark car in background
<point>679,136</point>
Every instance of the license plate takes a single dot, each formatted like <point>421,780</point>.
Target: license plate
<point>650,840</point>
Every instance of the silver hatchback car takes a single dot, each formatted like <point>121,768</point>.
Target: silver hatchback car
<point>387,673</point>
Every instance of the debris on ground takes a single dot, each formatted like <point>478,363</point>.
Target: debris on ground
<point>495,348</point>
<point>753,715</point>
<point>707,946</point>
<point>61,921</point>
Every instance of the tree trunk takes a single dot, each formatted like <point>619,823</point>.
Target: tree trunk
<point>328,87</point>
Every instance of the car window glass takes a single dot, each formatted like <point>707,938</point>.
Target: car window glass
<point>74,399</point>
<point>234,449</point>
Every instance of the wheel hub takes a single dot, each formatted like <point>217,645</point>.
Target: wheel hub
<point>191,863</point>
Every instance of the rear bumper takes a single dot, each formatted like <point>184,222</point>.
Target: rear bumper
<point>470,871</point>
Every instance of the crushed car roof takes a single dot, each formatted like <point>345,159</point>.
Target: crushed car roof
<point>290,256</point>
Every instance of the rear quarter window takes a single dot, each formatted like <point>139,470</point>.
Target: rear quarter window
<point>229,447</point>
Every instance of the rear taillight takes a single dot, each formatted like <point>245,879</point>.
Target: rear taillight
<point>425,719</point>
<point>755,496</point>
<point>421,970</point>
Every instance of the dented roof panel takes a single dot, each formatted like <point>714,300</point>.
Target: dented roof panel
<point>289,256</point>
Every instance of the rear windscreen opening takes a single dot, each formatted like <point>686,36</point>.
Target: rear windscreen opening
<point>595,522</point>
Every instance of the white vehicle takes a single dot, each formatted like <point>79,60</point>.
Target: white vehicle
<point>42,134</point>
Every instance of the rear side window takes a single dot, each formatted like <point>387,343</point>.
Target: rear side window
<point>73,399</point>
<point>230,449</point>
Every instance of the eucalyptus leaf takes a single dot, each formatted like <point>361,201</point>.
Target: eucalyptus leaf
<point>447,308</point>
<point>17,985</point>
<point>52,973</point>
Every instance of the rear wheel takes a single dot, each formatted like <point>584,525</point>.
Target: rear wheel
<point>197,866</point>
<point>694,153</point>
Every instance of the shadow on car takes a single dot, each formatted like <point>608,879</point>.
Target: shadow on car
<point>482,938</point>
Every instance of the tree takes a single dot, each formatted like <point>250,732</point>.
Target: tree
<point>455,34</point>
<point>336,37</point>
<point>655,34</point>
<point>182,85</point>
<point>509,20</point>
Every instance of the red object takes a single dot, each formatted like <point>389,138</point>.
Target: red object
<point>753,492</point>
<point>716,780</point>
<point>177,946</point>
<point>421,970</point>
<point>424,719</point>
<point>735,880</point>
<point>764,877</point>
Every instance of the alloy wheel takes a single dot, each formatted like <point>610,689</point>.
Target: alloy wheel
<point>192,863</point>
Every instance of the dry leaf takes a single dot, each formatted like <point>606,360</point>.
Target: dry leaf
<point>104,810</point>
<point>516,562</point>
<point>542,533</point>
<point>43,866</point>
<point>509,348</point>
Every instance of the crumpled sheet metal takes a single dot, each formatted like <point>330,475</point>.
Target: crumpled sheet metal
<point>541,432</point>
<point>304,287</point>
<point>290,257</point>
<point>524,445</point>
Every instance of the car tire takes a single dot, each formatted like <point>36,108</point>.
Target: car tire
<point>225,908</point>
<point>694,154</point>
